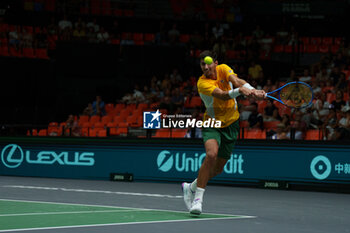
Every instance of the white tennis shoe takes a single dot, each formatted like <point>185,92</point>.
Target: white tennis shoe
<point>196,206</point>
<point>188,194</point>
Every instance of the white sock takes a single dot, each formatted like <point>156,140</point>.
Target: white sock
<point>199,194</point>
<point>193,185</point>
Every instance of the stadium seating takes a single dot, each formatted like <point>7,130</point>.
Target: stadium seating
<point>178,133</point>
<point>162,133</point>
<point>270,124</point>
<point>106,119</point>
<point>254,134</point>
<point>42,132</point>
<point>313,134</point>
<point>94,119</point>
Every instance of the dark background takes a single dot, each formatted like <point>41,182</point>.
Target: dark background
<point>36,92</point>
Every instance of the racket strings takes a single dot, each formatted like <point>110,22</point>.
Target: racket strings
<point>296,95</point>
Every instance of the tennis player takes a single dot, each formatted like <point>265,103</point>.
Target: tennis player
<point>218,87</point>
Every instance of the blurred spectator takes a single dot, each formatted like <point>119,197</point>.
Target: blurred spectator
<point>327,87</point>
<point>165,102</point>
<point>27,39</point>
<point>286,121</point>
<point>282,35</point>
<point>127,99</point>
<point>338,60</point>
<point>306,77</point>
<point>338,103</point>
<point>328,127</point>
<point>220,48</point>
<point>102,36</point>
<point>297,131</point>
<point>93,24</point>
<point>293,36</point>
<point>98,107</point>
<point>173,34</point>
<point>79,33</point>
<point>177,98</point>
<point>292,76</point>
<point>280,132</point>
<point>88,111</point>
<point>65,24</point>
<point>194,133</point>
<point>343,129</point>
<point>316,87</point>
<point>52,28</point>
<point>269,86</point>
<point>138,96</point>
<point>72,127</point>
<point>14,38</point>
<point>306,117</point>
<point>335,75</point>
<point>161,35</point>
<point>271,112</point>
<point>246,110</point>
<point>218,30</point>
<point>323,75</point>
<point>342,83</point>
<point>40,39</point>
<point>300,117</point>
<point>80,23</point>
<point>254,71</point>
<point>91,35</point>
<point>258,32</point>
<point>320,112</point>
<point>147,94</point>
<point>166,83</point>
<point>65,28</point>
<point>175,78</point>
<point>255,119</point>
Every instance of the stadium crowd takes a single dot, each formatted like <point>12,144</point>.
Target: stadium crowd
<point>173,92</point>
<point>330,111</point>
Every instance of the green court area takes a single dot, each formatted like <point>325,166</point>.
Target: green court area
<point>24,215</point>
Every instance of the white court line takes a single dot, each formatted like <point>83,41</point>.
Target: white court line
<point>69,212</point>
<point>118,207</point>
<point>117,224</point>
<point>92,191</point>
<point>127,223</point>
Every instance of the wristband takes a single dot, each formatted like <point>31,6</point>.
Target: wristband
<point>234,93</point>
<point>247,85</point>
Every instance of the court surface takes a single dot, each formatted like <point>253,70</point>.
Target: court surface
<point>64,205</point>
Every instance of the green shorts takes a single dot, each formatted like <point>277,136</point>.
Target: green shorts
<point>226,138</point>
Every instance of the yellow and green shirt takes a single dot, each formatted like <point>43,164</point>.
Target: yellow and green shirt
<point>225,111</point>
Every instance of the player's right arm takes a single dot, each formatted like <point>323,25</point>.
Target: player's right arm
<point>227,95</point>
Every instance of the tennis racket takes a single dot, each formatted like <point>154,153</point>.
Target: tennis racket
<point>294,94</point>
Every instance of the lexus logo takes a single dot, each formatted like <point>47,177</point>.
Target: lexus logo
<point>12,156</point>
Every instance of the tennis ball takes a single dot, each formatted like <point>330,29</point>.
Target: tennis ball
<point>208,60</point>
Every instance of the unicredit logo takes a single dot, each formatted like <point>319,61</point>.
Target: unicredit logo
<point>165,161</point>
<point>182,162</point>
<point>12,156</point>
